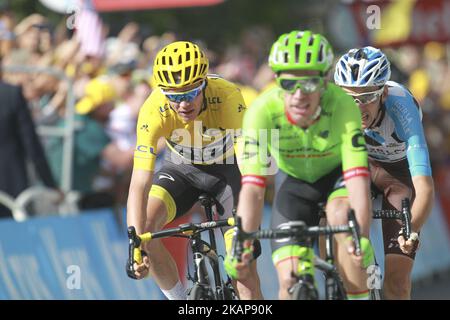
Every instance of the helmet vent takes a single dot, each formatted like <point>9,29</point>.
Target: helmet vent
<point>195,69</point>
<point>311,41</point>
<point>188,56</point>
<point>203,69</point>
<point>166,76</point>
<point>371,66</point>
<point>180,59</point>
<point>321,53</point>
<point>367,78</point>
<point>297,52</point>
<point>360,54</point>
<point>177,77</point>
<point>355,71</point>
<point>286,57</point>
<point>187,74</point>
<point>170,61</point>
<point>160,76</point>
<point>308,57</point>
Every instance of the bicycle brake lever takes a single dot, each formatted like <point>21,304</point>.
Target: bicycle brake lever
<point>354,227</point>
<point>406,218</point>
<point>238,247</point>
<point>134,253</point>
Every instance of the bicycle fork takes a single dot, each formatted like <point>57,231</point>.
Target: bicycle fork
<point>202,252</point>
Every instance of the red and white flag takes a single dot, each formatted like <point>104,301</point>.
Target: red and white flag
<point>89,30</point>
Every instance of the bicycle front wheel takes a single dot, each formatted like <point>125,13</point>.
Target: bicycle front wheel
<point>302,292</point>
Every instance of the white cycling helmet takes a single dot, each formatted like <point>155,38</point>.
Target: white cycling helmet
<point>363,67</point>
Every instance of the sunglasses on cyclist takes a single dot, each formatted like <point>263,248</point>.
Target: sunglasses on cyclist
<point>187,96</point>
<point>367,97</point>
<point>305,84</point>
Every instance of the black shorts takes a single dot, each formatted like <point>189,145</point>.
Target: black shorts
<point>297,200</point>
<point>180,185</point>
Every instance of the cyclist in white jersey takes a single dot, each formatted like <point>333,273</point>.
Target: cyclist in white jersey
<point>398,155</point>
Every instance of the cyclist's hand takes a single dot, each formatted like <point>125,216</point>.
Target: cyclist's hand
<point>409,246</point>
<point>141,270</point>
<point>357,260</point>
<point>366,257</point>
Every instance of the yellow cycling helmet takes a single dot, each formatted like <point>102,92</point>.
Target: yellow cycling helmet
<point>179,64</point>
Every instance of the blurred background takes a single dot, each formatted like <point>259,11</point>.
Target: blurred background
<point>84,68</point>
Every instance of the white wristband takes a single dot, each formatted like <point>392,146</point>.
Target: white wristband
<point>414,236</point>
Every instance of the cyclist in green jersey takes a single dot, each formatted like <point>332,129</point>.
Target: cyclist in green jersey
<point>312,130</point>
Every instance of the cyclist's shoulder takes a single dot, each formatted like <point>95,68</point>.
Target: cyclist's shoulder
<point>400,103</point>
<point>335,97</point>
<point>219,86</point>
<point>154,101</point>
<point>338,105</point>
<point>399,95</point>
<point>269,99</point>
<point>156,108</point>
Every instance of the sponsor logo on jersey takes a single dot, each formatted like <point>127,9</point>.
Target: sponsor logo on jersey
<point>165,176</point>
<point>146,149</point>
<point>213,100</point>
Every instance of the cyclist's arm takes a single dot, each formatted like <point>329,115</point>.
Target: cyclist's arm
<point>251,197</point>
<point>251,202</point>
<point>423,203</point>
<point>141,182</point>
<point>355,164</point>
<point>407,119</point>
<point>148,130</point>
<point>358,190</point>
<point>233,118</point>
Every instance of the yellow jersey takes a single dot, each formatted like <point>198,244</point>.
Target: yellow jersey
<point>208,139</point>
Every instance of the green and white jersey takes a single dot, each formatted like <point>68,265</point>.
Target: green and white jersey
<point>307,154</point>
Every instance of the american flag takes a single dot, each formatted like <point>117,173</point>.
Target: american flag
<point>89,30</point>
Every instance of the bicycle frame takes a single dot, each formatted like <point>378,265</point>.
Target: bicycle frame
<point>202,250</point>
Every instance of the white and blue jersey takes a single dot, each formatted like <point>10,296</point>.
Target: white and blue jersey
<point>399,135</point>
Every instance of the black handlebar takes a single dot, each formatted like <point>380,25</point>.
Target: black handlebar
<point>404,215</point>
<point>300,231</point>
<point>133,242</point>
<point>354,227</point>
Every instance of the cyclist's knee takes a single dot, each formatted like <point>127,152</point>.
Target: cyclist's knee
<point>397,286</point>
<point>337,210</point>
<point>400,279</point>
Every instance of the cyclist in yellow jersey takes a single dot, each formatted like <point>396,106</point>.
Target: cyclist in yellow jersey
<point>200,117</point>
